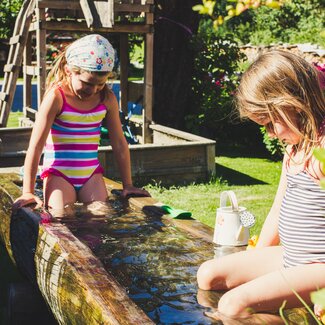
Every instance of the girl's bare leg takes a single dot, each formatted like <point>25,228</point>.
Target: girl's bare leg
<point>93,190</point>
<point>258,281</point>
<point>269,291</point>
<point>232,270</point>
<point>58,192</point>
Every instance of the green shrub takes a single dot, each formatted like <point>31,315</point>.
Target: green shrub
<point>214,81</point>
<point>298,21</point>
<point>9,10</point>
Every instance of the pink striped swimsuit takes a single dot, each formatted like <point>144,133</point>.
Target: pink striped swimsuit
<point>71,149</point>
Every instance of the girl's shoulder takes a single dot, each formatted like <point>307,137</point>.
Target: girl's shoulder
<point>53,98</point>
<point>108,97</point>
<point>297,162</point>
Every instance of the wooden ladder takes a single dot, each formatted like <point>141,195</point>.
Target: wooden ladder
<point>11,69</point>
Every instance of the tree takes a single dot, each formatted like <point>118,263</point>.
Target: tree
<point>9,10</point>
<point>173,60</point>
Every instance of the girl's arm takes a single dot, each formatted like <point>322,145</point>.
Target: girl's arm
<point>120,147</point>
<point>269,235</point>
<point>45,116</point>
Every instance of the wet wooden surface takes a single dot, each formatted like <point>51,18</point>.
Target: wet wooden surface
<point>121,263</point>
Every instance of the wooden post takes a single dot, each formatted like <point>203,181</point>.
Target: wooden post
<point>148,89</point>
<point>41,55</point>
<point>124,72</point>
<point>27,99</point>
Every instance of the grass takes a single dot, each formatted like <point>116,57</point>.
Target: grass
<point>254,181</point>
<point>13,119</point>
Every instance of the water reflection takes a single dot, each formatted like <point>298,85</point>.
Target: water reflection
<point>157,264</point>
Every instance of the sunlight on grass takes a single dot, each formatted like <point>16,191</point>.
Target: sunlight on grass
<point>256,187</point>
<point>13,119</point>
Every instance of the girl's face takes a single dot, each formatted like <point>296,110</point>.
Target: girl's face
<point>85,84</point>
<point>279,129</point>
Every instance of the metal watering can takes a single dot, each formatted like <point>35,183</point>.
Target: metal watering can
<point>232,222</point>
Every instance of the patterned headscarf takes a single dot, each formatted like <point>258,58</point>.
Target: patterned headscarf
<point>91,53</point>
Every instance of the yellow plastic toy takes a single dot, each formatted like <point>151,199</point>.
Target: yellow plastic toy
<point>252,242</point>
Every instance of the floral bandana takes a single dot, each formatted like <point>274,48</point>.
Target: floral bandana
<point>91,53</point>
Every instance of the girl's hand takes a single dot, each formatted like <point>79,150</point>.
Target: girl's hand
<point>26,199</point>
<point>130,190</point>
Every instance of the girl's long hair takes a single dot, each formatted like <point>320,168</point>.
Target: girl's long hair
<point>282,86</point>
<point>57,74</point>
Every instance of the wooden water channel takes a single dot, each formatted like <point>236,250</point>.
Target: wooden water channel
<point>120,263</point>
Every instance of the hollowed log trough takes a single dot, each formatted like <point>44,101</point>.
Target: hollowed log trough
<point>134,266</point>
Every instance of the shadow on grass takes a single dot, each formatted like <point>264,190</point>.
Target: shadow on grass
<point>234,177</point>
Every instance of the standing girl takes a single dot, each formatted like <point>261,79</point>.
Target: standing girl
<point>68,125</point>
<point>280,91</point>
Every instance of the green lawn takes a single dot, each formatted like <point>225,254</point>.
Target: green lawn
<point>13,119</point>
<point>254,180</point>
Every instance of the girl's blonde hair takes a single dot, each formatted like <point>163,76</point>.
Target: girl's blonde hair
<point>282,86</point>
<point>58,76</point>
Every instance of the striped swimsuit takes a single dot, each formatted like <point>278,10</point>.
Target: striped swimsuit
<point>72,145</point>
<point>302,221</point>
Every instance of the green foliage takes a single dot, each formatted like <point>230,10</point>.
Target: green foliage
<point>319,154</point>
<point>9,10</point>
<point>214,81</point>
<point>273,145</point>
<point>318,297</point>
<point>297,21</point>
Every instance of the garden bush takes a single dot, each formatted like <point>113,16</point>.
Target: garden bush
<point>214,81</point>
<point>298,21</point>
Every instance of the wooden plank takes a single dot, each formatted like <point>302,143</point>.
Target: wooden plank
<point>168,163</point>
<point>81,26</point>
<point>124,72</point>
<point>148,89</point>
<point>15,39</point>
<point>10,68</point>
<point>150,18</point>
<point>105,13</point>
<point>179,134</point>
<point>4,97</point>
<point>31,70</point>
<point>58,4</point>
<point>41,56</point>
<point>28,73</point>
<point>30,112</point>
<point>88,13</point>
<point>132,8</point>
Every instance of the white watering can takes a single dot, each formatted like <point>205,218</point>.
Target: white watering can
<point>232,222</point>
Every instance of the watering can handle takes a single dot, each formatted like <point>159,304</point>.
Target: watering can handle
<point>232,198</point>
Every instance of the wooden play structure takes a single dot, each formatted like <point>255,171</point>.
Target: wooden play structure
<point>163,154</point>
<point>38,18</point>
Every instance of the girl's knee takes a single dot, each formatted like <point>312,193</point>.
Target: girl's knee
<point>233,304</point>
<point>208,276</point>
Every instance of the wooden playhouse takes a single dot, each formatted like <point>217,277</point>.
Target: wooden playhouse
<point>163,154</point>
